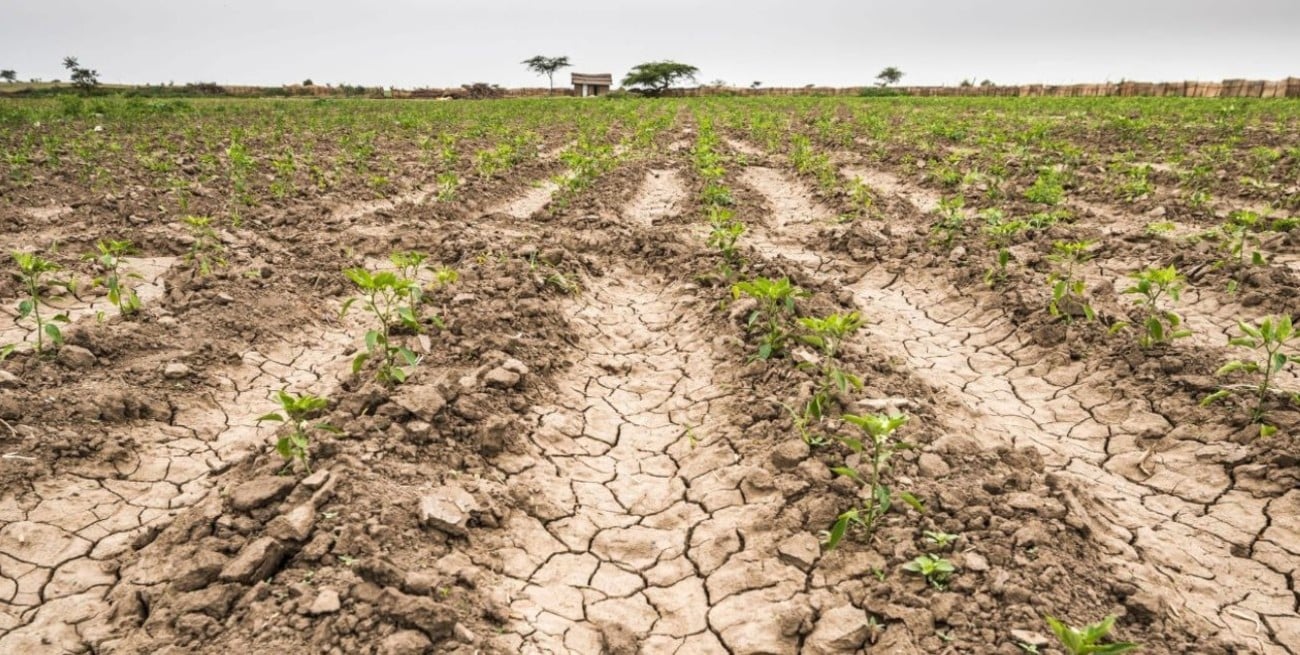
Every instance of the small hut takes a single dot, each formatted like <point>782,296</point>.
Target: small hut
<point>585,85</point>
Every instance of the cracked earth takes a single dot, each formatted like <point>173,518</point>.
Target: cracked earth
<point>633,489</point>
<point>1219,536</point>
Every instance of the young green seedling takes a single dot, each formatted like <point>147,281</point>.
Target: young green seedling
<point>35,273</point>
<point>1272,340</point>
<point>1084,641</point>
<point>386,295</point>
<point>1047,189</point>
<point>936,570</point>
<point>408,265</point>
<point>726,231</point>
<point>828,335</point>
<point>205,249</point>
<point>879,430</point>
<point>1000,233</point>
<point>939,538</point>
<point>296,412</point>
<point>1161,326</point>
<point>1069,298</point>
<point>803,423</point>
<point>1243,244</point>
<point>447,184</point>
<point>109,257</point>
<point>951,221</point>
<point>775,306</point>
<point>862,198</point>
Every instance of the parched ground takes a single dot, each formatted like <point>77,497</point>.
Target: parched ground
<point>587,459</point>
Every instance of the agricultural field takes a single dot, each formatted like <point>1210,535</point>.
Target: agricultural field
<point>679,376</point>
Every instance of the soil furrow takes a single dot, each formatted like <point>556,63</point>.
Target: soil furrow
<point>645,529</point>
<point>1086,427</point>
<point>643,501</point>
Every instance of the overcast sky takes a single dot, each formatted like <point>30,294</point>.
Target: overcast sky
<point>409,43</point>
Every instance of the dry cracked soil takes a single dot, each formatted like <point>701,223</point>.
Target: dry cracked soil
<point>586,459</point>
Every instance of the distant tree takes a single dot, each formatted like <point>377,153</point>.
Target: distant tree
<point>85,79</point>
<point>718,83</point>
<point>547,66</point>
<point>307,82</point>
<point>967,83</point>
<point>653,78</point>
<point>8,76</point>
<point>755,84</point>
<point>890,75</point>
<point>987,83</point>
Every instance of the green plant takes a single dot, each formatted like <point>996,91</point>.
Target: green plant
<point>205,246</point>
<point>1272,341</point>
<point>1047,189</point>
<point>1000,233</point>
<point>547,66</point>
<point>775,306</point>
<point>296,412</point>
<point>1242,243</point>
<point>386,295</point>
<point>951,221</point>
<point>879,430</point>
<point>939,538</point>
<point>447,183</point>
<point>1158,228</point>
<point>828,335</point>
<point>1135,182</point>
<point>1083,641</point>
<point>1069,297</point>
<point>862,197</point>
<point>409,264</point>
<point>653,78</point>
<point>936,570</point>
<point>803,424</point>
<point>109,256</point>
<point>1150,285</point>
<point>725,231</point>
<point>35,272</point>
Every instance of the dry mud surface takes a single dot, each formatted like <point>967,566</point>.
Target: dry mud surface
<point>587,461</point>
<point>1176,507</point>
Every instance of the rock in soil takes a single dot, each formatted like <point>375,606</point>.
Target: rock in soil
<point>448,509</point>
<point>327,602</point>
<point>405,642</point>
<point>260,492</point>
<point>841,630</point>
<point>76,357</point>
<point>256,561</point>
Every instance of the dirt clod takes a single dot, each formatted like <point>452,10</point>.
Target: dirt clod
<point>448,508</point>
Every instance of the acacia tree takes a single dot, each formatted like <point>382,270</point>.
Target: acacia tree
<point>653,78</point>
<point>547,66</point>
<point>8,76</point>
<point>84,78</point>
<point>890,75</point>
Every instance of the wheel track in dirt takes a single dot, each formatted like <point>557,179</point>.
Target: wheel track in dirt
<point>1188,521</point>
<point>643,521</point>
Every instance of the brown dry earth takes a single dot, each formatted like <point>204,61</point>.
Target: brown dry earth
<point>58,539</point>
<point>630,485</point>
<point>650,523</point>
<point>63,536</point>
<point>644,528</point>
<point>1216,540</point>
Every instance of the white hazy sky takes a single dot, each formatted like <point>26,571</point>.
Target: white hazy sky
<point>410,43</point>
